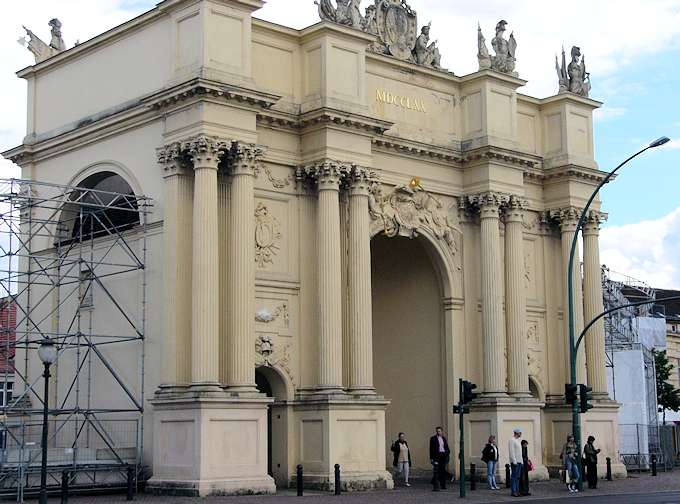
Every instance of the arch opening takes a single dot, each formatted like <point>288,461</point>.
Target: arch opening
<point>408,340</point>
<point>270,382</point>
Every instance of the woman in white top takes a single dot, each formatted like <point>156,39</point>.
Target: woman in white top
<point>402,457</point>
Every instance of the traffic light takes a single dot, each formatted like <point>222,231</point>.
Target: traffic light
<point>570,393</point>
<point>585,393</point>
<point>468,394</point>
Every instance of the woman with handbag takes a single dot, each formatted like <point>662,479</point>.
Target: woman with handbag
<point>569,458</point>
<point>490,458</point>
<point>527,466</point>
<point>402,458</point>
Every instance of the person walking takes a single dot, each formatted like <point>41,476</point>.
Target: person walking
<point>439,457</point>
<point>402,458</point>
<point>526,467</point>
<point>590,453</point>
<point>569,458</point>
<point>515,456</point>
<point>490,458</point>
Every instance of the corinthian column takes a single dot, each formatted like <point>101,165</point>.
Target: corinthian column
<point>493,327</point>
<point>568,219</point>
<point>177,220</point>
<point>360,311</point>
<point>205,153</point>
<point>328,175</point>
<point>515,299</point>
<point>243,161</point>
<point>593,305</point>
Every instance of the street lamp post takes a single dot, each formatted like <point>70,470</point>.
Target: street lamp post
<point>575,418</point>
<point>48,355</point>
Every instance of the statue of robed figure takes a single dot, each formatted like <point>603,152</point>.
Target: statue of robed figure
<point>573,78</point>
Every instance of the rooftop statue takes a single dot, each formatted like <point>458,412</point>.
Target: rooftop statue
<point>504,60</point>
<point>573,78</point>
<point>40,49</point>
<point>394,24</point>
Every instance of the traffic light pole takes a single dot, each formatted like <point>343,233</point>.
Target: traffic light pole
<point>461,454</point>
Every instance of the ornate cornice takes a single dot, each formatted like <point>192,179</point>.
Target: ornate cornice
<point>490,153</point>
<point>201,88</point>
<point>417,149</point>
<point>568,172</point>
<point>333,117</point>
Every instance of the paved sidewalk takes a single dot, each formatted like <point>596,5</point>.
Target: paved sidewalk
<point>420,493</point>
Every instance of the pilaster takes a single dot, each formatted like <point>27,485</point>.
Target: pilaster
<point>493,325</point>
<point>360,310</point>
<point>243,162</point>
<point>593,306</point>
<point>515,298</point>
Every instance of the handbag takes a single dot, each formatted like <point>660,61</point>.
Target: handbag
<point>530,465</point>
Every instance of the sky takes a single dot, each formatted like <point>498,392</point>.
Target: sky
<point>632,49</point>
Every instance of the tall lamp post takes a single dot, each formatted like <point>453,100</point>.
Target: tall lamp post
<point>48,355</point>
<point>575,419</point>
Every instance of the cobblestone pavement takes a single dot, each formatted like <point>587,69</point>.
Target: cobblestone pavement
<point>421,493</point>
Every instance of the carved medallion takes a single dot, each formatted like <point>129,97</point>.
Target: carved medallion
<point>267,235</point>
<point>397,27</point>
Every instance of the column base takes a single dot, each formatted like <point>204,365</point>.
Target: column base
<point>206,443</point>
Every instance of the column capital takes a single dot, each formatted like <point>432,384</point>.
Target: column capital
<point>360,180</point>
<point>328,173</point>
<point>593,221</point>
<point>205,151</point>
<point>244,158</point>
<point>172,160</point>
<point>566,217</point>
<point>488,203</point>
<point>513,210</point>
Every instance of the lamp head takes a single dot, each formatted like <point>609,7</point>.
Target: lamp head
<point>659,141</point>
<point>47,352</point>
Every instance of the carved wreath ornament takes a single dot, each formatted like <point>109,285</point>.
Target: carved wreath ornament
<point>267,235</point>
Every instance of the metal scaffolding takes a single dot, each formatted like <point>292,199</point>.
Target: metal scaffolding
<point>70,259</point>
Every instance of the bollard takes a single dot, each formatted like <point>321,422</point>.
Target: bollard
<point>609,469</point>
<point>130,483</point>
<point>337,479</point>
<point>653,464</point>
<point>298,480</point>
<point>507,476</point>
<point>64,487</point>
<point>473,477</point>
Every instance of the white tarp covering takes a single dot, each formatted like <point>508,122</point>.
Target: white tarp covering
<point>652,332</point>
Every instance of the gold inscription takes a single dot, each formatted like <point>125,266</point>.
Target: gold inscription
<point>407,102</point>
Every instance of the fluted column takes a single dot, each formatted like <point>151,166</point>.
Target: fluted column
<point>493,326</point>
<point>360,310</point>
<point>205,153</point>
<point>223,237</point>
<point>515,299</point>
<point>568,219</point>
<point>177,253</point>
<point>593,306</point>
<point>328,175</point>
<point>243,159</point>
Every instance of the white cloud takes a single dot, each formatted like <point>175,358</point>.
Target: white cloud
<point>646,250</point>
<point>605,113</point>
<point>674,144</point>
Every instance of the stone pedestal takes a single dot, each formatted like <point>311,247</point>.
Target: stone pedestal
<point>208,444</point>
<point>499,417</point>
<point>349,432</point>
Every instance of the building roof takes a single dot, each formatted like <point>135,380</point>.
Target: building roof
<point>672,307</point>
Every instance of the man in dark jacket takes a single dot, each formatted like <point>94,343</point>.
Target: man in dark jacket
<point>439,457</point>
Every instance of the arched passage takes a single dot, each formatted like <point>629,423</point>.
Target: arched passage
<point>408,341</point>
<point>270,382</point>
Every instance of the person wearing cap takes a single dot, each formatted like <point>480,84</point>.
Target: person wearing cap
<point>515,455</point>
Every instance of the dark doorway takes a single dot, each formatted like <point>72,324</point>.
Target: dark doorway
<point>265,387</point>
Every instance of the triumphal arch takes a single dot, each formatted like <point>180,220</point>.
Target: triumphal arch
<point>341,230</point>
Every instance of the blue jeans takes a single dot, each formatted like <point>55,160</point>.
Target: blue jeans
<point>572,469</point>
<point>514,477</point>
<point>491,473</point>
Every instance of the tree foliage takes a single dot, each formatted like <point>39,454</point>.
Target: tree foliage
<point>667,396</point>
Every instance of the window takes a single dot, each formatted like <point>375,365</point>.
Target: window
<point>106,205</point>
<point>674,328</point>
<point>86,286</point>
<point>6,392</point>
